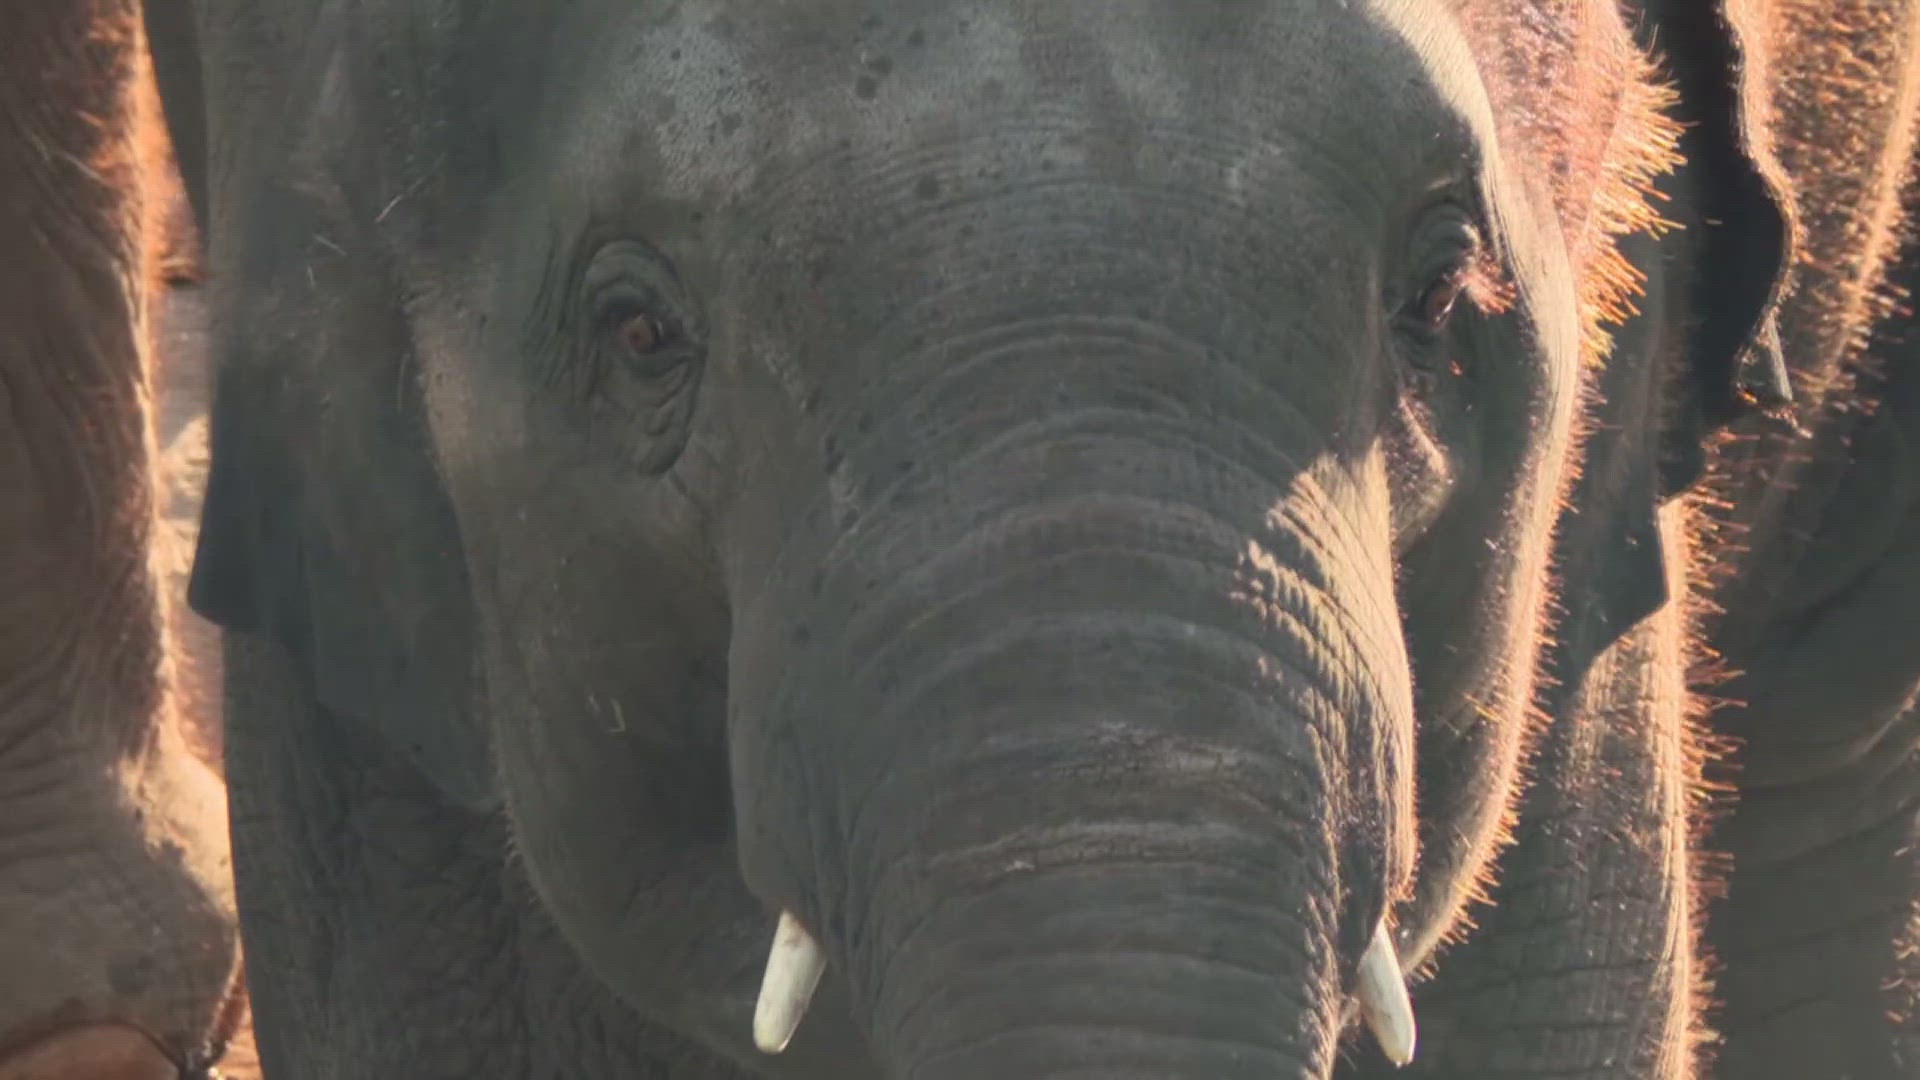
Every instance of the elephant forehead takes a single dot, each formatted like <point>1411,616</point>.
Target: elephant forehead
<point>714,97</point>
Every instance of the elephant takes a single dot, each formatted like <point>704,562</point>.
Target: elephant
<point>1796,564</point>
<point>1587,957</point>
<point>951,539</point>
<point>118,943</point>
<point>1815,571</point>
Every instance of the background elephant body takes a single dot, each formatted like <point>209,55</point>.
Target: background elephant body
<point>1817,572</point>
<point>117,943</point>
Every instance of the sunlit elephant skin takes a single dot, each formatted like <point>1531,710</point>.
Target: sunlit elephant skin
<point>118,942</point>
<point>1017,492</point>
<point>1818,569</point>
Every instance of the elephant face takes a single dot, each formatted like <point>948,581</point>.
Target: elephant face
<point>1022,487</point>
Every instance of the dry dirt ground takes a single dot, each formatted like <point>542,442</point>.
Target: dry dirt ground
<point>182,385</point>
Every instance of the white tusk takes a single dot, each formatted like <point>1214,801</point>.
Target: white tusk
<point>794,967</point>
<point>1383,998</point>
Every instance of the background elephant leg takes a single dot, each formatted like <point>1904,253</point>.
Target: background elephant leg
<point>388,927</point>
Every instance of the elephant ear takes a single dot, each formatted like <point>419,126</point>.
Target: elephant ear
<point>1743,234</point>
<point>325,525</point>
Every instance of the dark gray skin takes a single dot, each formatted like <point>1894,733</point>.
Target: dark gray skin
<point>1583,963</point>
<point>980,480</point>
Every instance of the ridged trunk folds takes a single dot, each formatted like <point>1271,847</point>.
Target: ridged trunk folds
<point>1102,740</point>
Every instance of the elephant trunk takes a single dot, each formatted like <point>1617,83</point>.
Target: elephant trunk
<point>1104,769</point>
<point>1174,925</point>
<point>1150,880</point>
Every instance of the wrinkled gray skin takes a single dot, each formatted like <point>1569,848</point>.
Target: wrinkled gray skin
<point>971,475</point>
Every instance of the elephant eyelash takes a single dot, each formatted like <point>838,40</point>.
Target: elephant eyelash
<point>1460,264</point>
<point>1487,284</point>
<point>586,333</point>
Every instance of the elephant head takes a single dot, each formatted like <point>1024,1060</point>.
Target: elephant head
<point>1006,491</point>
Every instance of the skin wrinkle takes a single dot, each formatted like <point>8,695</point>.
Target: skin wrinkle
<point>855,824</point>
<point>909,935</point>
<point>982,450</point>
<point>1306,692</point>
<point>995,539</point>
<point>888,492</point>
<point>930,997</point>
<point>1028,956</point>
<point>911,539</point>
<point>864,652</point>
<point>961,341</point>
<point>1269,1058</point>
<point>1036,741</point>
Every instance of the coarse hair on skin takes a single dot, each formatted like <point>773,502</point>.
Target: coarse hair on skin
<point>1830,106</point>
<point>1832,116</point>
<point>1584,116</point>
<point>1830,100</point>
<point>1561,61</point>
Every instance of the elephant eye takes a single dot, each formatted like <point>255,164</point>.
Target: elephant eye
<point>643,334</point>
<point>637,331</point>
<point>635,355</point>
<point>1445,259</point>
<point>647,341</point>
<point>1434,305</point>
